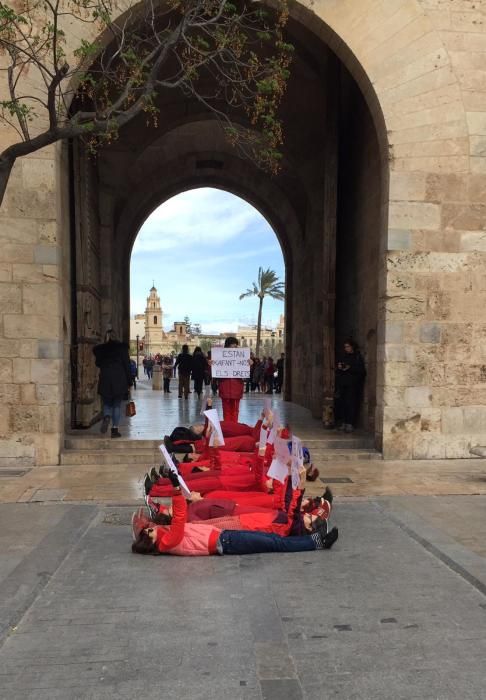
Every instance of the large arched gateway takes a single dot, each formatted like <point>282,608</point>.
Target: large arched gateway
<point>377,208</point>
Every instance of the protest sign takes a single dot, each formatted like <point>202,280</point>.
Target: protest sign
<point>169,463</point>
<point>216,430</point>
<point>297,461</point>
<point>230,363</point>
<point>279,467</point>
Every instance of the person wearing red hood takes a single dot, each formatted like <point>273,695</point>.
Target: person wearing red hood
<point>202,539</point>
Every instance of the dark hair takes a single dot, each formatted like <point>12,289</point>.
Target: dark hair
<point>163,519</point>
<point>185,348</point>
<point>197,351</point>
<point>144,545</point>
<point>353,343</point>
<point>317,523</point>
<point>230,341</point>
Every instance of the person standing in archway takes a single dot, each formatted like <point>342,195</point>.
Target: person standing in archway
<point>231,390</point>
<point>350,374</point>
<point>184,367</point>
<point>199,366</point>
<point>115,380</point>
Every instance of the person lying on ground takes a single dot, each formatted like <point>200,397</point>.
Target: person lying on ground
<point>203,539</point>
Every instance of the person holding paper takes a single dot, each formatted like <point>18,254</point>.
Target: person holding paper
<point>203,539</point>
<point>231,390</point>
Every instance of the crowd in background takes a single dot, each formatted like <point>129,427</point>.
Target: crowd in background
<point>266,374</point>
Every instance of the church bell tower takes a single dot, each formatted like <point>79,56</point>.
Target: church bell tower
<point>153,324</point>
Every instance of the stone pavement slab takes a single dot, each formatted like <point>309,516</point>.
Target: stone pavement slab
<point>380,616</point>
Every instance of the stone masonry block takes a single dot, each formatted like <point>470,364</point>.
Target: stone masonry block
<point>428,447</point>
<point>414,215</point>
<point>473,240</point>
<point>27,393</point>
<point>20,231</point>
<point>16,253</point>
<point>50,419</point>
<point>399,239</point>
<point>50,349</point>
<point>5,370</point>
<point>418,396</point>
<point>407,186</point>
<point>4,420</point>
<point>430,333</point>
<point>5,272</point>
<point>475,419</point>
<point>10,298</point>
<point>25,419</point>
<point>46,371</point>
<point>9,348</point>
<point>9,393</point>
<point>452,420</point>
<point>21,371</point>
<point>30,326</point>
<point>46,255</point>
<point>394,332</point>
<point>41,299</point>
<point>48,394</point>
<point>47,448</point>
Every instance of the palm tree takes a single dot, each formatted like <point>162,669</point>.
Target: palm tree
<point>268,285</point>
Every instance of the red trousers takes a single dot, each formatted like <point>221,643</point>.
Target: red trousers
<point>240,443</point>
<point>231,408</point>
<point>208,481</point>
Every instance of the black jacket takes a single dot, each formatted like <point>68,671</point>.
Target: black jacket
<point>184,363</point>
<point>199,366</point>
<point>354,376</point>
<point>115,377</point>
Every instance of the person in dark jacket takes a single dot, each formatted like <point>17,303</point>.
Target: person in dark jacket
<point>114,381</point>
<point>350,374</point>
<point>184,365</point>
<point>199,367</point>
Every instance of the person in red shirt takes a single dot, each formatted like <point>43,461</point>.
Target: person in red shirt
<point>231,390</point>
<point>203,539</point>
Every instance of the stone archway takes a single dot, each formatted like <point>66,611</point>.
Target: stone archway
<point>302,204</point>
<point>414,65</point>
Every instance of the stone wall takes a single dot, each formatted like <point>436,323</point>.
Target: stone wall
<point>421,67</point>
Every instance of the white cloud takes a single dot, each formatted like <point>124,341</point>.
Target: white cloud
<point>198,217</point>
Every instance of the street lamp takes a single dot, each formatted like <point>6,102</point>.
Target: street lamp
<point>138,348</point>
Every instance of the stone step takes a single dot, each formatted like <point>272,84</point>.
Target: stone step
<point>149,457</point>
<point>104,457</point>
<point>100,443</point>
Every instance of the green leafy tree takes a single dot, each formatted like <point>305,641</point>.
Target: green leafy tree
<point>229,56</point>
<point>268,285</point>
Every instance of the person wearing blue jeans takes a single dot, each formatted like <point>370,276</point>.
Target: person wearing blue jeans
<point>250,542</point>
<point>115,379</point>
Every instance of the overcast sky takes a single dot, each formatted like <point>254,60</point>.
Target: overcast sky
<point>202,249</point>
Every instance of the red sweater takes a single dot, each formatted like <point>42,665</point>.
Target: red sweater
<point>186,539</point>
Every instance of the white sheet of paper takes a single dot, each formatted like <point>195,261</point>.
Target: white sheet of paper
<point>267,406</point>
<point>273,430</point>
<point>263,438</point>
<point>169,463</point>
<point>278,470</point>
<point>213,418</point>
<point>230,363</point>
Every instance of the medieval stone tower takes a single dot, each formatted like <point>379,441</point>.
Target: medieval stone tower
<point>154,332</point>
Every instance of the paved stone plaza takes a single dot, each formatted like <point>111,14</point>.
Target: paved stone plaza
<point>397,609</point>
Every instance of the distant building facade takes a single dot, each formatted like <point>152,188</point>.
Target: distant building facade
<point>153,340</point>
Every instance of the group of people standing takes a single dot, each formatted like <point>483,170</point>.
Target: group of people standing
<point>117,375</point>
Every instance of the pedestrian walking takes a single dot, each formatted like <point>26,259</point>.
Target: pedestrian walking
<point>115,379</point>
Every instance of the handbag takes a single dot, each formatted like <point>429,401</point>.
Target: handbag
<point>130,409</point>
